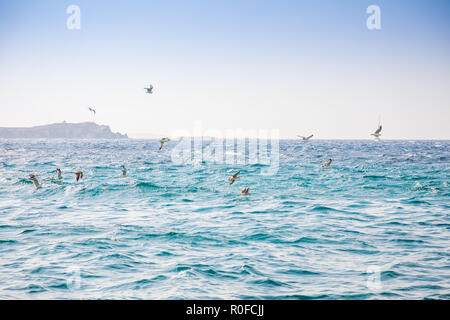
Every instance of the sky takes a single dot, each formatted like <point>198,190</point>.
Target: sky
<point>300,67</point>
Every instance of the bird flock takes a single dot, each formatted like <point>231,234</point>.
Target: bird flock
<point>244,191</point>
<point>231,180</point>
<point>79,176</point>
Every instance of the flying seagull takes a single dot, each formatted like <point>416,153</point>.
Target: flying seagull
<point>35,181</point>
<point>305,139</point>
<point>78,175</point>
<point>377,133</point>
<point>149,89</point>
<point>162,141</point>
<point>328,163</point>
<point>59,173</point>
<point>234,177</point>
<point>245,191</point>
<point>92,110</point>
<point>124,171</point>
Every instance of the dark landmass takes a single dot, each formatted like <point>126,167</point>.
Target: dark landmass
<point>63,130</point>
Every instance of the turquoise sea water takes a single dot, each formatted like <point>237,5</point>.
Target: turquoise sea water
<point>374,226</point>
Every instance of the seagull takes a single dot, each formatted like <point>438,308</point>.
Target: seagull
<point>162,141</point>
<point>377,133</point>
<point>234,177</point>
<point>328,163</point>
<point>305,139</point>
<point>90,109</point>
<point>78,175</point>
<point>245,191</point>
<point>35,181</point>
<point>59,173</point>
<point>149,89</point>
<point>124,171</point>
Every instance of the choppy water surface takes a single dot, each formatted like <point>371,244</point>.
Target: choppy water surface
<point>374,226</point>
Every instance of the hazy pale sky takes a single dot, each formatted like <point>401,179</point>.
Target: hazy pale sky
<point>298,66</point>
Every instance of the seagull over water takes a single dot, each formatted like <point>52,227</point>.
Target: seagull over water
<point>328,163</point>
<point>124,171</point>
<point>245,191</point>
<point>305,139</point>
<point>35,181</point>
<point>234,177</point>
<point>78,175</point>
<point>92,110</point>
<point>149,89</point>
<point>377,133</point>
<point>162,141</point>
<point>59,173</point>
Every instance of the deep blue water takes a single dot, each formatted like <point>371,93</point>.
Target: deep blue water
<point>373,226</point>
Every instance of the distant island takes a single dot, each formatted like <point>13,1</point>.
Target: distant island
<point>63,130</point>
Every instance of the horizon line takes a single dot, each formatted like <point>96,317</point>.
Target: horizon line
<point>240,138</point>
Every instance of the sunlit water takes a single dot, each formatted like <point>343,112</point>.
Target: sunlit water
<point>374,226</point>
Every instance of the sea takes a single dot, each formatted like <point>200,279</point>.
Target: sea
<point>375,225</point>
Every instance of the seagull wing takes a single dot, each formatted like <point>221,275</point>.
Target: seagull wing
<point>379,129</point>
<point>310,136</point>
<point>236,174</point>
<point>301,137</point>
